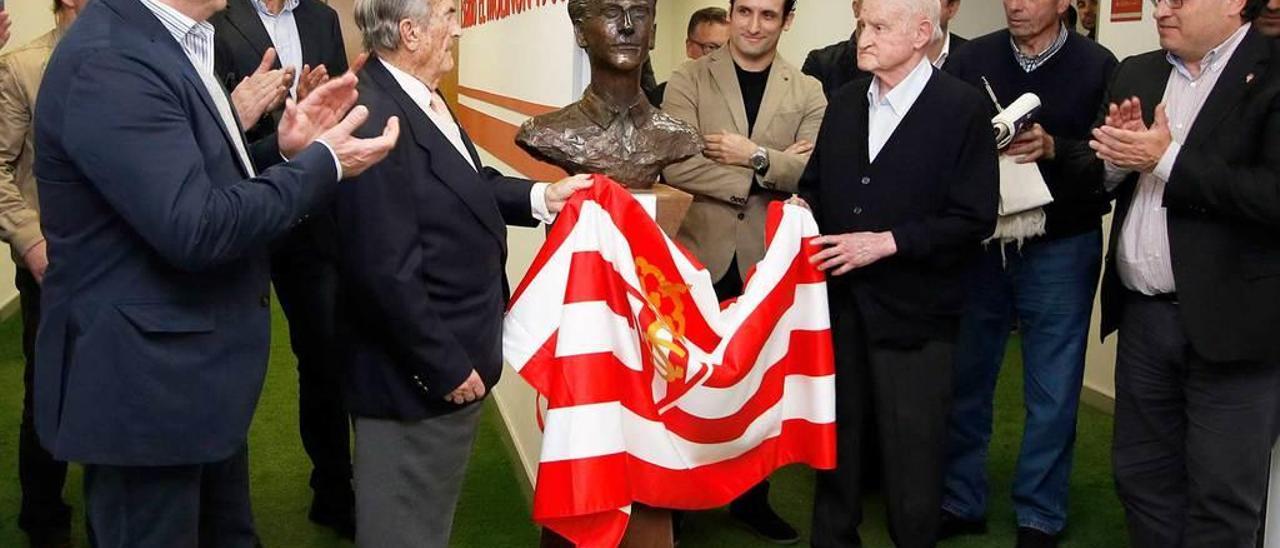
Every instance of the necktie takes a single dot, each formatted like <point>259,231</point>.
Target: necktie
<point>437,105</point>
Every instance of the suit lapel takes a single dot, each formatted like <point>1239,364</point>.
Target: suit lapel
<point>310,34</point>
<point>777,91</point>
<point>173,54</point>
<point>1250,57</point>
<point>726,78</point>
<point>244,18</point>
<point>448,165</point>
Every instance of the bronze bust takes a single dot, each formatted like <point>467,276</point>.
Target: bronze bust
<point>613,129</point>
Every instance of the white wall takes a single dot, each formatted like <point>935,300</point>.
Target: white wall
<point>978,17</point>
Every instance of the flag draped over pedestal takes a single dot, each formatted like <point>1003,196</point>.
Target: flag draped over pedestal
<point>655,393</point>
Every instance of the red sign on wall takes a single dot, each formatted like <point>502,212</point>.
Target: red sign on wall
<point>1126,10</point>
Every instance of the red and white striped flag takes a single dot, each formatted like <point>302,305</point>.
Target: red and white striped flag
<point>657,392</point>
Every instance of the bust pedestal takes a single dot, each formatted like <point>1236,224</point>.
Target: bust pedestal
<point>648,527</point>
<point>667,205</point>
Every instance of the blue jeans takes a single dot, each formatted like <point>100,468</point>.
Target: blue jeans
<point>1048,286</point>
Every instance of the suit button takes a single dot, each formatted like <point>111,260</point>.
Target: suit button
<point>866,180</point>
<point>742,216</point>
<point>857,210</point>
<point>265,301</point>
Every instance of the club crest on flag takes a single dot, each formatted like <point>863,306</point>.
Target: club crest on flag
<point>664,344</point>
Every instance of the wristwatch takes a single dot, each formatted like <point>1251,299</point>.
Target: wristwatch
<point>760,161</point>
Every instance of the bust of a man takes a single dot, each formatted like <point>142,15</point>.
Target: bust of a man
<point>613,129</point>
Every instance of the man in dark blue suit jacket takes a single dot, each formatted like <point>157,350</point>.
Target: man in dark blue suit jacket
<point>423,283</point>
<point>153,345</point>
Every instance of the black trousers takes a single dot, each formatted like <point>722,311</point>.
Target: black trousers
<point>305,276</point>
<point>1193,438</point>
<point>198,505</point>
<point>41,476</point>
<point>909,391</point>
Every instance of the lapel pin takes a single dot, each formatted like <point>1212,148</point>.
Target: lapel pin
<point>1249,78</point>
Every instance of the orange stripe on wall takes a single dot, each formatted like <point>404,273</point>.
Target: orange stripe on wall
<point>499,139</point>
<point>510,103</point>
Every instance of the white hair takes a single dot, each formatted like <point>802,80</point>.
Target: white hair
<point>930,10</point>
<point>379,21</point>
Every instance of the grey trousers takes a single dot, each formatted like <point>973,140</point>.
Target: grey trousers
<point>408,476</point>
<point>1193,438</point>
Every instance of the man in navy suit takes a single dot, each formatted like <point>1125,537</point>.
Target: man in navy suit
<point>422,284</point>
<point>153,345</point>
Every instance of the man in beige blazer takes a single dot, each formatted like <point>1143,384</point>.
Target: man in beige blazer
<point>759,116</point>
<point>44,516</point>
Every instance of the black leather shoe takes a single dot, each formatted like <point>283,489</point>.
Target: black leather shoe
<point>340,518</point>
<point>55,538</point>
<point>955,526</point>
<point>1035,538</point>
<point>765,523</point>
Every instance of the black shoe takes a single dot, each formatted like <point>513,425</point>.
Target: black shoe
<point>1035,538</point>
<point>765,523</point>
<point>952,525</point>
<point>56,538</point>
<point>340,518</point>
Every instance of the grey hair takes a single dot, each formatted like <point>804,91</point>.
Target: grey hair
<point>379,21</point>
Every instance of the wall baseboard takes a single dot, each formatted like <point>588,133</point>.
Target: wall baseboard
<point>10,307</point>
<point>524,463</point>
<point>1098,399</point>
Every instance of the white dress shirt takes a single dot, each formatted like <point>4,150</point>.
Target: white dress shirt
<point>1142,256</point>
<point>196,39</point>
<point>945,53</point>
<point>886,110</point>
<point>283,30</point>
<point>423,97</point>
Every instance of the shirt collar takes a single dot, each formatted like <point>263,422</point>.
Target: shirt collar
<point>1217,57</point>
<point>1032,62</point>
<point>903,95</point>
<point>603,114</point>
<point>946,51</point>
<point>408,82</point>
<point>289,6</point>
<point>176,22</point>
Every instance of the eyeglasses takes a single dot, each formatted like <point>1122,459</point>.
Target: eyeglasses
<point>707,47</point>
<point>1175,4</point>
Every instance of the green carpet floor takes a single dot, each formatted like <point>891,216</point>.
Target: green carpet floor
<point>494,511</point>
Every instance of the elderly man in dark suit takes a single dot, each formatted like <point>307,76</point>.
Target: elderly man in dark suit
<point>898,228</point>
<point>423,284</point>
<point>1190,145</point>
<point>305,41</point>
<point>153,345</point>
